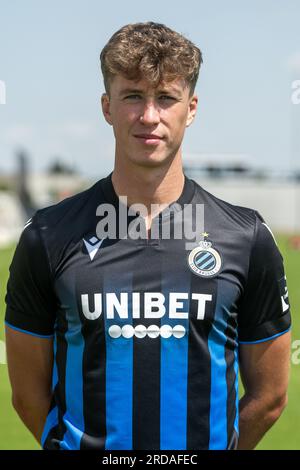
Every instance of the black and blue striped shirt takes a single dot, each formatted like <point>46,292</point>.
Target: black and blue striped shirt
<point>145,336</point>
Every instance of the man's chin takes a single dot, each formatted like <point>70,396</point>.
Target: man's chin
<point>150,160</point>
<point>151,163</point>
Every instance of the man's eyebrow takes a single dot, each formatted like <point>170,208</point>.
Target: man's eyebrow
<point>130,90</point>
<point>127,91</point>
<point>170,91</point>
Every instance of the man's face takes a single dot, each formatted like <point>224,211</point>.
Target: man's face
<point>148,123</point>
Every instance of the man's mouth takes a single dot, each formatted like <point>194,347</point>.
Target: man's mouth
<point>149,138</point>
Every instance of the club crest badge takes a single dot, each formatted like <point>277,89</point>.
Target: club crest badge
<point>204,260</point>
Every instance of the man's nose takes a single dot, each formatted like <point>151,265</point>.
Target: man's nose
<point>150,114</point>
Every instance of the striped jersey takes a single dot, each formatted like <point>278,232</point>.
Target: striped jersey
<point>146,331</point>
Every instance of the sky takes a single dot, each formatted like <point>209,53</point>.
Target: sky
<point>49,62</point>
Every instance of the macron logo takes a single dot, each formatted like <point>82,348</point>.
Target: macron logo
<point>284,294</point>
<point>92,246</point>
<point>29,222</point>
<point>284,298</point>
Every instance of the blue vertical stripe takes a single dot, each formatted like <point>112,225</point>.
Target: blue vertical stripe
<point>218,394</point>
<point>54,373</point>
<point>174,370</point>
<point>236,369</point>
<point>73,418</point>
<point>52,418</point>
<point>119,370</point>
<point>51,421</point>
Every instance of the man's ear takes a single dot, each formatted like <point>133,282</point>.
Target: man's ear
<point>105,103</point>
<point>193,102</point>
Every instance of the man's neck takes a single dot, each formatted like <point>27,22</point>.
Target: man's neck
<point>158,186</point>
<point>149,186</point>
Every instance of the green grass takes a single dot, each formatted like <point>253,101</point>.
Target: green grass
<point>13,434</point>
<point>283,435</point>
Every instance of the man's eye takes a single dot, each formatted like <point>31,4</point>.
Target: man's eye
<point>166,97</point>
<point>132,96</point>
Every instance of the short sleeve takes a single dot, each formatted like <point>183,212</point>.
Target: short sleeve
<point>31,303</point>
<point>264,311</point>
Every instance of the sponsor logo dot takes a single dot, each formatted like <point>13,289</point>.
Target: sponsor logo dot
<point>127,331</point>
<point>115,331</point>
<point>140,331</point>
<point>178,331</point>
<point>166,331</point>
<point>153,331</point>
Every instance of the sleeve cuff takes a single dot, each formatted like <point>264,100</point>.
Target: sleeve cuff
<point>28,332</point>
<point>266,331</point>
<point>27,324</point>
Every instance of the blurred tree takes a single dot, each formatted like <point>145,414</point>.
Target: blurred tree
<point>60,167</point>
<point>22,185</point>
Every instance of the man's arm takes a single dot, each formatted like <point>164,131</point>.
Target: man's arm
<point>264,369</point>
<point>30,363</point>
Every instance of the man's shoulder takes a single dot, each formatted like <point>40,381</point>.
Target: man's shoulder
<point>67,221</point>
<point>243,224</point>
<point>69,206</point>
<point>225,211</point>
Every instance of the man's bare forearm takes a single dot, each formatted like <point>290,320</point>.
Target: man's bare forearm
<point>256,417</point>
<point>34,414</point>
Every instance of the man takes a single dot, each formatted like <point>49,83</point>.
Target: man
<point>147,332</point>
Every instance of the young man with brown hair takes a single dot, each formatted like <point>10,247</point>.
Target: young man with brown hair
<point>133,341</point>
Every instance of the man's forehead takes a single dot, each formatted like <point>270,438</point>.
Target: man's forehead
<point>123,84</point>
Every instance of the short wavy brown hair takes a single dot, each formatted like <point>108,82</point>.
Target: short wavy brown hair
<point>151,51</point>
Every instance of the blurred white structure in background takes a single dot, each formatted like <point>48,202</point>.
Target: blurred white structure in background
<point>45,189</point>
<point>233,178</point>
<point>278,203</point>
<point>229,177</point>
<point>11,218</point>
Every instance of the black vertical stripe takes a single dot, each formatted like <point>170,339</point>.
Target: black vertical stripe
<point>56,434</point>
<point>199,366</point>
<point>146,359</point>
<point>94,360</point>
<point>230,377</point>
<point>233,441</point>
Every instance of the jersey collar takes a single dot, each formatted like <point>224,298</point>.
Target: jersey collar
<point>185,197</point>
